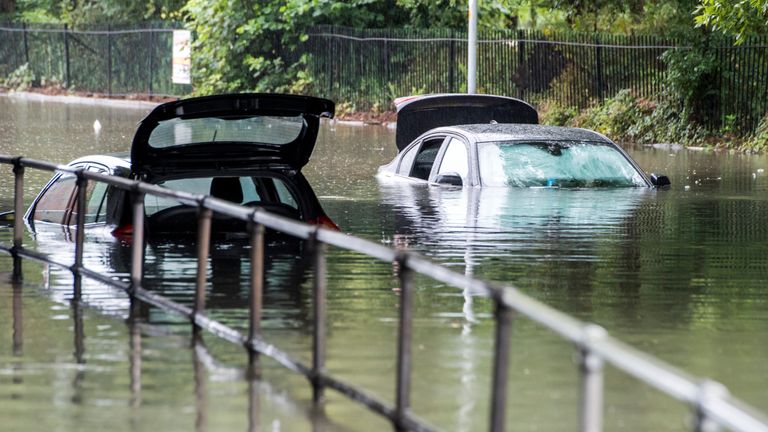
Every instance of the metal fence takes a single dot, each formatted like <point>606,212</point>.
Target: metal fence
<point>372,67</point>
<point>369,68</point>
<point>710,402</point>
<point>104,60</point>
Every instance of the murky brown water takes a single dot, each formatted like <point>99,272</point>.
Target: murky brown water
<point>680,274</point>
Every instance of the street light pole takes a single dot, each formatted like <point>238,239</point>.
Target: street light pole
<point>472,48</point>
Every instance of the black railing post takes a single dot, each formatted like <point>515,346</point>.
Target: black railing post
<point>591,373</point>
<point>500,367</point>
<point>257,291</point>
<point>404,338</point>
<point>204,217</point>
<point>318,340</point>
<point>137,248</point>
<point>82,189</point>
<point>18,217</point>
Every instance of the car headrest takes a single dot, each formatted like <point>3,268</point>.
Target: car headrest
<point>227,188</point>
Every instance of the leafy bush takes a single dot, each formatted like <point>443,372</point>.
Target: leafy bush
<point>553,113</point>
<point>759,140</point>
<point>21,79</point>
<point>626,117</point>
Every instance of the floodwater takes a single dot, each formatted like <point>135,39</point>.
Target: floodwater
<point>679,274</point>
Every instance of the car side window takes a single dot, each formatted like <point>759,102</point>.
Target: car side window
<point>425,158</point>
<point>95,199</point>
<point>55,204</point>
<point>455,160</point>
<point>406,162</point>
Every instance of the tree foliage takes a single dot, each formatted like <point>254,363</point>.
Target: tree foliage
<point>738,18</point>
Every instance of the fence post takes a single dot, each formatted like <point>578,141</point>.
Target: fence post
<point>708,391</point>
<point>257,290</point>
<point>591,372</point>
<point>26,43</point>
<point>204,217</point>
<point>109,60</point>
<point>18,216</point>
<point>599,67</point>
<point>452,63</point>
<point>318,341</point>
<point>500,366</point>
<point>151,61</point>
<point>67,82</point>
<point>137,249</point>
<point>82,188</point>
<point>521,72</point>
<point>404,337</point>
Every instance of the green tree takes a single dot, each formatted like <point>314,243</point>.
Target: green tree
<point>738,18</point>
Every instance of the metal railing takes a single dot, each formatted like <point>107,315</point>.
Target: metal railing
<point>711,404</point>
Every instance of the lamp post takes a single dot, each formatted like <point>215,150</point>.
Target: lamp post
<point>472,48</point>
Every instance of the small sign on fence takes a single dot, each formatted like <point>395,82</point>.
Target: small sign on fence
<point>182,40</point>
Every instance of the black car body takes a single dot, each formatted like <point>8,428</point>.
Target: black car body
<point>245,148</point>
<point>486,141</point>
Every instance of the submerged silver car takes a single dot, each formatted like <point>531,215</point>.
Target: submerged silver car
<point>248,149</point>
<point>493,141</point>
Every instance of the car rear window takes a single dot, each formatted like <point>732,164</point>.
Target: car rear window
<point>555,164</point>
<point>256,130</point>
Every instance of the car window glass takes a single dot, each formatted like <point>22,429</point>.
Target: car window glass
<point>96,206</point>
<point>555,164</point>
<point>422,164</point>
<point>406,161</point>
<point>153,203</point>
<point>55,203</point>
<point>284,194</point>
<point>250,192</point>
<point>254,190</point>
<point>455,160</point>
<point>257,129</point>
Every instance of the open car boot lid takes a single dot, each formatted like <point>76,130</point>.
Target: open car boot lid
<point>227,132</point>
<point>418,114</point>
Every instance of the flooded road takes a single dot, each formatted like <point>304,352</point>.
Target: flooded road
<point>680,274</point>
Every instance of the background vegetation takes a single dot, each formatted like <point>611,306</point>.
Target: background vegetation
<point>240,45</point>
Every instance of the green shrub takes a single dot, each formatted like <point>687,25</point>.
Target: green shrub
<point>21,79</point>
<point>552,113</point>
<point>759,140</point>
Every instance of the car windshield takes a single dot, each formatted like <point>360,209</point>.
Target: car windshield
<point>256,130</point>
<point>555,164</point>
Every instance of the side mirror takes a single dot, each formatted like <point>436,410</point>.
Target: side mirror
<point>660,180</point>
<point>7,218</point>
<point>449,178</point>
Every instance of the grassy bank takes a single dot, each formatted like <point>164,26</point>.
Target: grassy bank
<point>626,117</point>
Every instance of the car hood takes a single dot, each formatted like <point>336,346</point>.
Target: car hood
<point>234,131</point>
<point>418,114</point>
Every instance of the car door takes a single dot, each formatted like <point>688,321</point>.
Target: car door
<point>453,160</point>
<point>417,161</point>
<point>57,204</point>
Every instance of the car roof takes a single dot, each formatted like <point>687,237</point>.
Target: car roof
<point>523,132</point>
<point>111,160</point>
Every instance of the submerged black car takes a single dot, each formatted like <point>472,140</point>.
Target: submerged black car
<point>488,141</point>
<point>245,148</point>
